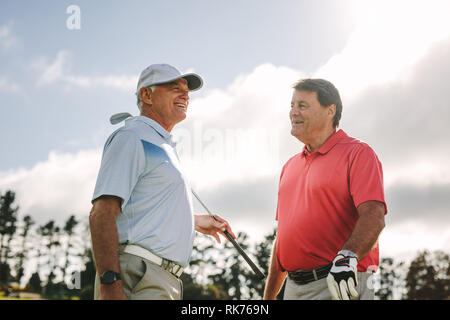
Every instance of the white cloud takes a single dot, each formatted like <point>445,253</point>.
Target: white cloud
<point>403,241</point>
<point>240,130</point>
<point>121,82</point>
<point>56,71</point>
<point>56,188</point>
<point>60,71</point>
<point>7,38</point>
<point>426,171</point>
<point>389,38</point>
<point>7,85</point>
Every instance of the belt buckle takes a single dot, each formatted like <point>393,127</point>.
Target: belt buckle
<point>175,269</point>
<point>166,264</point>
<point>170,266</point>
<point>303,277</point>
<point>315,274</point>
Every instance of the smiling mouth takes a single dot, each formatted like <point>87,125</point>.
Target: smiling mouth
<point>297,122</point>
<point>182,106</point>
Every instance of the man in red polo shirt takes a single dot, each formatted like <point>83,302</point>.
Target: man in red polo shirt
<point>331,205</point>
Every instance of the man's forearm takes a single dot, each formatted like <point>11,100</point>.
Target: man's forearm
<point>275,278</point>
<point>105,244</point>
<point>365,235</point>
<point>104,241</point>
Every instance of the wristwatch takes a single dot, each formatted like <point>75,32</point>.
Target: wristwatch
<point>109,277</point>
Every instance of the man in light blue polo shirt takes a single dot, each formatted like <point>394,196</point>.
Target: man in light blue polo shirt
<point>142,222</point>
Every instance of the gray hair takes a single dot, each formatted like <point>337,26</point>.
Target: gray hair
<point>138,94</point>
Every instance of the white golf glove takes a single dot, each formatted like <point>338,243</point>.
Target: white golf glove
<point>342,277</point>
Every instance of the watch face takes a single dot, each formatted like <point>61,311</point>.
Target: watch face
<point>108,277</point>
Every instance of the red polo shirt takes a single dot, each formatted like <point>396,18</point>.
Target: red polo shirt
<point>317,199</point>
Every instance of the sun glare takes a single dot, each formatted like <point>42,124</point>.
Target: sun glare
<point>389,37</point>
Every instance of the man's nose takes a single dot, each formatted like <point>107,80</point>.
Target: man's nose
<point>185,96</point>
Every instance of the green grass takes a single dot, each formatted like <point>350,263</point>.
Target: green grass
<point>3,297</point>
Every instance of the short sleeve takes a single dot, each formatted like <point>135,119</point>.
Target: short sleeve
<point>366,177</point>
<point>123,161</point>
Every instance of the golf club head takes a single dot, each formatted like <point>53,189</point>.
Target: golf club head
<point>119,117</point>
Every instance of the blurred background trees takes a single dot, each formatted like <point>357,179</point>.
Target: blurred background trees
<point>428,277</point>
<point>55,262</point>
<point>45,258</point>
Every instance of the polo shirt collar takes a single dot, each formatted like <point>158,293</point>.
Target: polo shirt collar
<point>332,141</point>
<point>158,128</point>
<point>329,144</point>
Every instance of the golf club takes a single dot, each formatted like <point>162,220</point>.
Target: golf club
<point>119,117</point>
<point>255,269</point>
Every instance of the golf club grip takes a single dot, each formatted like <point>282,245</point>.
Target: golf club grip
<point>255,269</point>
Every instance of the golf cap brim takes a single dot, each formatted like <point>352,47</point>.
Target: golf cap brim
<point>194,81</point>
<point>157,74</point>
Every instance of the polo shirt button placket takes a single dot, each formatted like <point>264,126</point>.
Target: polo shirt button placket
<point>309,159</point>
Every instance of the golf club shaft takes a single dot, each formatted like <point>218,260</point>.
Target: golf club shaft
<point>233,242</point>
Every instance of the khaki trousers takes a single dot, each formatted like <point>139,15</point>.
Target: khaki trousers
<point>144,280</point>
<point>318,290</point>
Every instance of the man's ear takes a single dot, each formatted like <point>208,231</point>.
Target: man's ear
<point>146,95</point>
<point>332,110</point>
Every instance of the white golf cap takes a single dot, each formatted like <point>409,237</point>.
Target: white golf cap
<point>164,73</point>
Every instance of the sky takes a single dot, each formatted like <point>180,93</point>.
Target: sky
<point>63,73</point>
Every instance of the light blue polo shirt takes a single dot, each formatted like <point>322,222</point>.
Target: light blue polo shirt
<point>141,166</point>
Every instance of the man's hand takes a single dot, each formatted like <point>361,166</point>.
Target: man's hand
<point>208,225</point>
<point>342,280</point>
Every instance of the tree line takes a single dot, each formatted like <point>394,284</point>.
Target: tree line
<point>44,256</point>
<point>56,262</point>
